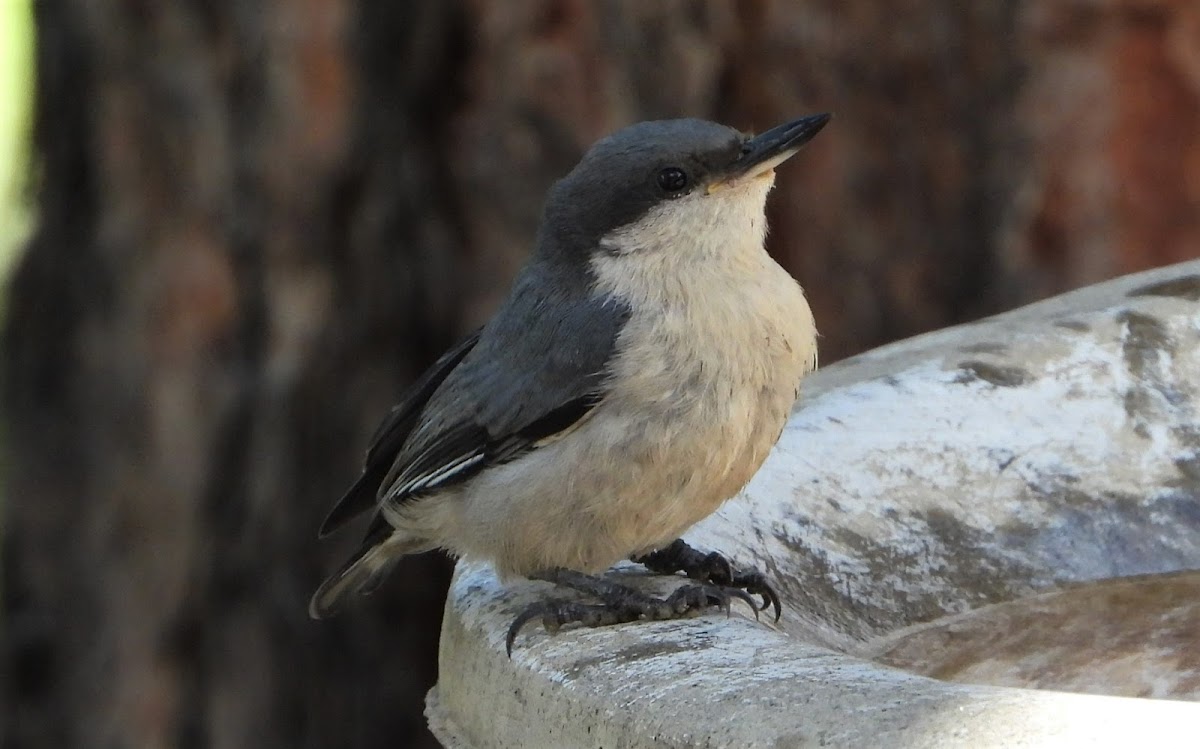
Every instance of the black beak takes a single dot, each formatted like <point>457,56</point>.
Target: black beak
<point>775,146</point>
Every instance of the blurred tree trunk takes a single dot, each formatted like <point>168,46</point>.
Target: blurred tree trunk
<point>259,220</point>
<point>246,248</point>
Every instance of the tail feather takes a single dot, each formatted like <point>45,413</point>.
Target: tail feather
<point>358,499</point>
<point>362,573</point>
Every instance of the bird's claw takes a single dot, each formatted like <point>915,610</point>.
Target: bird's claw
<point>689,598</point>
<point>754,583</point>
<point>685,600</point>
<point>555,613</point>
<point>712,568</point>
<point>717,570</point>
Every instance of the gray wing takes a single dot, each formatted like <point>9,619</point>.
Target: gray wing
<point>390,437</point>
<point>539,367</point>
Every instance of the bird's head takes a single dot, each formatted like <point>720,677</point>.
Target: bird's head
<point>669,185</point>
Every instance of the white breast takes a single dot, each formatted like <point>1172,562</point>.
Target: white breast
<point>718,341</point>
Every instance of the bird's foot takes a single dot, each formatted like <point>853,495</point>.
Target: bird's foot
<point>711,568</point>
<point>620,604</point>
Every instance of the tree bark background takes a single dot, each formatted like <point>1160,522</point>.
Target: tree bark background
<point>259,220</point>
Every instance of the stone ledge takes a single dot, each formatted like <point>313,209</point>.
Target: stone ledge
<point>729,682</point>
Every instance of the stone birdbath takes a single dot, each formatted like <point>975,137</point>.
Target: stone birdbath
<point>984,536</point>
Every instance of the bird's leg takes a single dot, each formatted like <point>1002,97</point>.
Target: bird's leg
<point>619,603</point>
<point>710,568</point>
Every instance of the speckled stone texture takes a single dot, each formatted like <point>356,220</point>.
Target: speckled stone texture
<point>1012,502</point>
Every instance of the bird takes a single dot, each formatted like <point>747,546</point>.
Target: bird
<point>639,372</point>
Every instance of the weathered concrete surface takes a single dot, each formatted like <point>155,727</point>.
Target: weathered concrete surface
<point>717,682</point>
<point>1054,445</point>
<point>1129,637</point>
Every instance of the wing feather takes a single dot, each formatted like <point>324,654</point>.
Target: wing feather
<point>530,376</point>
<point>390,437</point>
<point>540,367</point>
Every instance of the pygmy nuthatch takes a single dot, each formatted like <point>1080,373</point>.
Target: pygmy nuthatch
<point>636,377</point>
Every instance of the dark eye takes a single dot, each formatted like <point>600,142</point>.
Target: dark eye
<point>672,179</point>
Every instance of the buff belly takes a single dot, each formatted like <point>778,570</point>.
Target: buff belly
<point>603,494</point>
